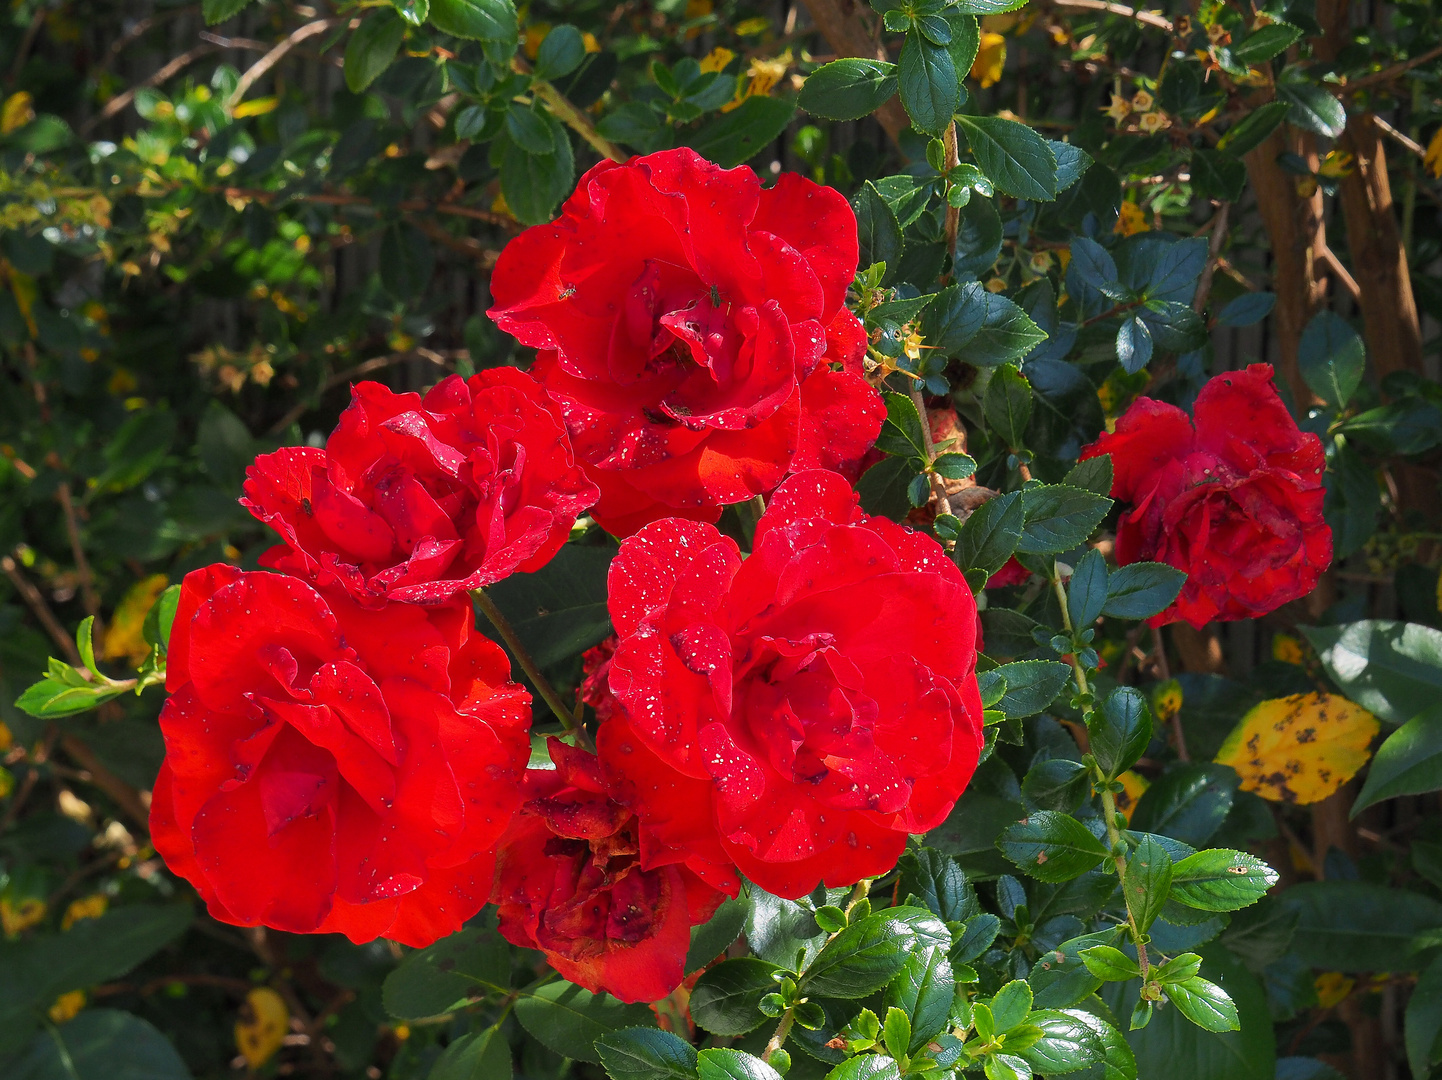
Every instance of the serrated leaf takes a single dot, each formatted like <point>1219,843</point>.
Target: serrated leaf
<point>1014,157</point>
<point>928,84</point>
<point>476,20</point>
<point>848,89</point>
<point>1408,763</point>
<point>1051,847</point>
<point>990,535</point>
<point>569,1019</point>
<point>861,959</point>
<point>1119,730</point>
<point>646,1054</point>
<point>1332,358</point>
<point>902,433</point>
<point>1059,518</point>
<point>1147,881</point>
<point>726,999</point>
<point>1221,880</point>
<point>1141,590</point>
<point>1204,1003</point>
<point>1031,685</point>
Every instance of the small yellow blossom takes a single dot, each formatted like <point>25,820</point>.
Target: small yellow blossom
<point>589,42</point>
<point>1119,109</point>
<point>763,75</point>
<point>1153,122</point>
<point>1142,101</point>
<point>912,345</point>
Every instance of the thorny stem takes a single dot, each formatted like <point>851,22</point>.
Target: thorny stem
<point>938,485</point>
<point>543,685</point>
<point>953,213</point>
<point>1109,801</point>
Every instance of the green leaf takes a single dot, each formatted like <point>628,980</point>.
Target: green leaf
<point>896,1032</point>
<point>1189,803</point>
<point>1006,1067</point>
<point>161,617</point>
<point>736,137</point>
<point>1332,358</point>
<point>217,11</point>
<point>902,432</point>
<point>1263,44</point>
<point>1086,592</point>
<point>1217,176</point>
<point>559,611</point>
<point>877,228</point>
<point>1010,1006</point>
<point>861,959</point>
<point>930,90</point>
<point>965,38</point>
<point>531,130</point>
<point>1120,730</point>
<point>1409,762</point>
<point>1391,669</point>
<point>1411,426</point>
<point>100,1044</point>
<point>534,183</point>
<point>726,1064</point>
<point>415,12</point>
<point>1014,157</point>
<point>52,698</point>
<point>923,993</point>
<point>726,1000</point>
<point>1249,132</point>
<point>480,1055</point>
<point>1051,846</point>
<point>989,536</point>
<point>372,47</point>
<point>866,1067</point>
<point>476,20</point>
<point>569,1020</point>
<point>848,89</point>
<point>1059,518</point>
<point>1221,880</point>
<point>1204,1003</point>
<point>1110,964</point>
<point>975,938</point>
<point>646,1054</point>
<point>1423,1023</point>
<point>1060,978</point>
<point>434,980</point>
<point>1358,926</point>
<point>1007,405</point>
<point>1057,784</point>
<point>561,52</point>
<point>1134,345</point>
<point>778,930</point>
<point>1147,881</point>
<point>713,937</point>
<point>987,7</point>
<point>984,329</point>
<point>1091,275</point>
<point>1141,590</point>
<point>936,879</point>
<point>1313,107</point>
<point>978,238</point>
<point>1031,685</point>
<point>1094,474</point>
<point>1066,1044</point>
<point>1247,309</point>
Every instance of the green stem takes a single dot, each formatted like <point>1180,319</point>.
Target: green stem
<point>543,685</point>
<point>562,109</point>
<point>1081,676</point>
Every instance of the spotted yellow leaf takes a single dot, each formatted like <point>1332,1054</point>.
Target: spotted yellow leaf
<point>264,1020</point>
<point>1299,749</point>
<point>1332,988</point>
<point>87,907</point>
<point>1133,785</point>
<point>1288,649</point>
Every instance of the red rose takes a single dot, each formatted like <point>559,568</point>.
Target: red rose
<point>417,499</point>
<point>687,322</point>
<point>1235,502</point>
<point>801,712</point>
<point>320,778</point>
<point>596,677</point>
<point>569,881</point>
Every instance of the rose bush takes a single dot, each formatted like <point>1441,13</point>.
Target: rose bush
<point>416,499</point>
<point>800,713</point>
<point>692,326</point>
<point>320,779</point>
<point>1233,498</point>
<point>570,882</point>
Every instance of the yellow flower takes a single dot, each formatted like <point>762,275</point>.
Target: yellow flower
<point>990,59</point>
<point>1040,262</point>
<point>1142,101</point>
<point>1288,649</point>
<point>1119,109</point>
<point>261,1027</point>
<point>66,1006</point>
<point>1131,219</point>
<point>717,59</point>
<point>764,74</point>
<point>18,110</point>
<point>1433,160</point>
<point>124,637</point>
<point>1300,749</point>
<point>87,907</point>
<point>1153,122</point>
<point>1332,987</point>
<point>912,345</point>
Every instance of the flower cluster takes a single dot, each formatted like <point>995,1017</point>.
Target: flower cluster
<point>346,753</point>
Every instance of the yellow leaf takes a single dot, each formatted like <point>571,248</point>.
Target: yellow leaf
<point>1433,159</point>
<point>18,915</point>
<point>124,637</point>
<point>1131,220</point>
<point>1332,987</point>
<point>67,1005</point>
<point>1166,700</point>
<point>87,907</point>
<point>1133,784</point>
<point>753,27</point>
<point>7,782</point>
<point>535,34</point>
<point>17,111</point>
<point>7,740</point>
<point>1300,749</point>
<point>256,107</point>
<point>264,1020</point>
<point>990,59</point>
<point>717,59</point>
<point>1288,649</point>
